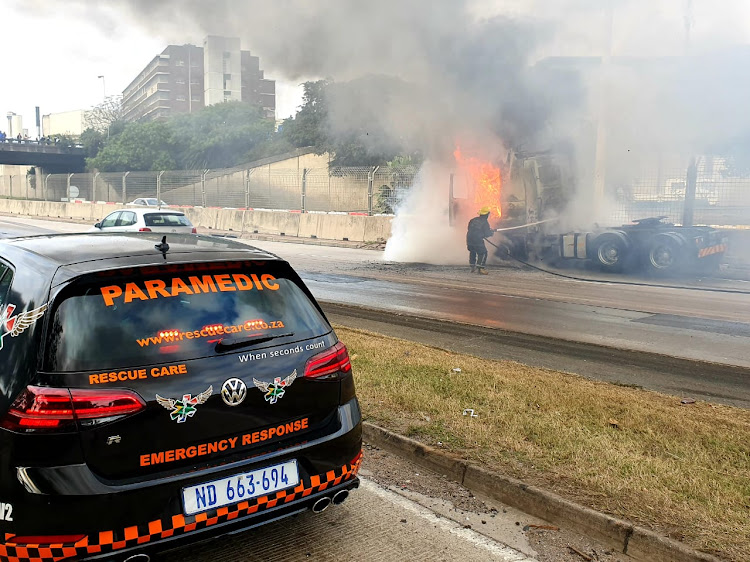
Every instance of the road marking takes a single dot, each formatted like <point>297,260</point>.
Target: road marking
<point>499,551</point>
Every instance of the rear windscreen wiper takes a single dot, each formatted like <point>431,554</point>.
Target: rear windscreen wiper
<point>226,344</point>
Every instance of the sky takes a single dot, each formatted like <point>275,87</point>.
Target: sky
<point>53,52</point>
<point>61,52</point>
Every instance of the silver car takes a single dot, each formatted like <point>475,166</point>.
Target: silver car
<point>145,220</point>
<point>147,202</point>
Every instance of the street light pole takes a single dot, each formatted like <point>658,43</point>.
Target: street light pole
<point>104,88</point>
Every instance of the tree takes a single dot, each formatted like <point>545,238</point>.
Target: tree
<point>308,127</point>
<point>346,120</point>
<point>105,116</point>
<point>93,141</point>
<point>140,146</point>
<point>219,136</point>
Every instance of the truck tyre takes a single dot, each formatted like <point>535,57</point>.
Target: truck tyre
<point>611,251</point>
<point>665,254</point>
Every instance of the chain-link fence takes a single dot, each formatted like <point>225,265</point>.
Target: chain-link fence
<point>643,188</point>
<point>376,190</point>
<point>718,189</point>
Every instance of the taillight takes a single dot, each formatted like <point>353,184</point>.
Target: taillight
<point>144,229</point>
<point>331,361</point>
<point>47,539</point>
<point>194,231</point>
<point>43,408</point>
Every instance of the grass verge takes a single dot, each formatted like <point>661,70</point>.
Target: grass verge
<point>681,469</point>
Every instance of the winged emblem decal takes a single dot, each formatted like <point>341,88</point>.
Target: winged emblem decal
<point>276,389</point>
<point>16,325</point>
<point>184,408</point>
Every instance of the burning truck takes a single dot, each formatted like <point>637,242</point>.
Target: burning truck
<point>529,201</point>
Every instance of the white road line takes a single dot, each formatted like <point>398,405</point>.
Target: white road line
<point>499,551</point>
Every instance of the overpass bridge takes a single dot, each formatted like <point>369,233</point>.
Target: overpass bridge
<point>53,158</point>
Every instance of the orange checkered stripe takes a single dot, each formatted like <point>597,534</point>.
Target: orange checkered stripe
<point>109,541</point>
<point>718,249</point>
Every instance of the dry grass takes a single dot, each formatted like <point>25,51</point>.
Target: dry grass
<point>680,469</point>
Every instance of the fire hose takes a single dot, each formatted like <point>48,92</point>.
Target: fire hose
<point>522,226</point>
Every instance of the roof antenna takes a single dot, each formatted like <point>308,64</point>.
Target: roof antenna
<point>163,247</point>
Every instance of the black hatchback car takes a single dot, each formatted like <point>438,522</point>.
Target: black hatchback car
<point>154,393</point>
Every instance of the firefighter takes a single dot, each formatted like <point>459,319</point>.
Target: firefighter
<point>479,229</point>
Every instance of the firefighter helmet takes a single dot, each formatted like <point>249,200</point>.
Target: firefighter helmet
<point>484,211</point>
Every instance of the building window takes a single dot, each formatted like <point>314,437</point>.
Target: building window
<point>227,93</point>
<point>196,98</point>
<point>180,63</point>
<point>226,54</point>
<point>181,98</point>
<point>179,81</point>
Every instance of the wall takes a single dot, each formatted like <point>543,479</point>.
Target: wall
<point>64,123</point>
<point>356,228</point>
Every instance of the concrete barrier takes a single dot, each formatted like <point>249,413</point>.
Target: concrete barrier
<point>340,227</point>
<point>357,228</point>
<point>202,216</point>
<point>377,229</point>
<point>230,219</point>
<point>309,224</point>
<point>270,222</point>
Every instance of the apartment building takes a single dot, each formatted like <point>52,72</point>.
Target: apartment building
<point>186,78</point>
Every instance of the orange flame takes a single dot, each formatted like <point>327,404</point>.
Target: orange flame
<point>486,182</point>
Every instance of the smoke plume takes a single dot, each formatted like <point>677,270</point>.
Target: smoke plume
<point>628,81</point>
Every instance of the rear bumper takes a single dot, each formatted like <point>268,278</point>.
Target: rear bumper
<point>167,533</point>
<point>73,501</point>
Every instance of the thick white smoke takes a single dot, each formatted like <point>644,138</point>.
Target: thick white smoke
<point>421,230</point>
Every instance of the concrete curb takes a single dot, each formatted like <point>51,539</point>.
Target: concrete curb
<point>637,542</point>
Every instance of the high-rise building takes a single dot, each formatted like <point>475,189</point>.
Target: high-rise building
<point>14,125</point>
<point>185,78</point>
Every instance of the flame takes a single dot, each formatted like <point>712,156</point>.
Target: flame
<point>485,182</point>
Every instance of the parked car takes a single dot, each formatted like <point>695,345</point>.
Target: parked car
<point>148,202</point>
<point>145,220</point>
<point>154,395</point>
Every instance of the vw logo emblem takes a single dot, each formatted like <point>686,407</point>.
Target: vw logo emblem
<point>233,392</point>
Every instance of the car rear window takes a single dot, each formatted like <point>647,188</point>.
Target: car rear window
<point>140,316</point>
<point>165,219</point>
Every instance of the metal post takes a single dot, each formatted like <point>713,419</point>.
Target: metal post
<point>370,185</point>
<point>158,188</point>
<point>691,180</point>
<point>93,188</point>
<point>247,188</point>
<point>203,187</point>
<point>67,188</point>
<point>304,187</point>
<point>124,188</point>
<point>11,187</point>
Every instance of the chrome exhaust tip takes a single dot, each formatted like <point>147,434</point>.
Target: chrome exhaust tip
<point>321,505</point>
<point>340,496</point>
<point>138,558</point>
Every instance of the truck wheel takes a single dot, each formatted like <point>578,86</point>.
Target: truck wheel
<point>665,255</point>
<point>611,251</point>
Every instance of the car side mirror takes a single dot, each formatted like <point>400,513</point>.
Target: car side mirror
<point>98,225</point>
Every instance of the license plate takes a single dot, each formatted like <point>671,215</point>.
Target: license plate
<point>240,487</point>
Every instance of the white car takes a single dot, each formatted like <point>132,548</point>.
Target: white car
<point>147,202</point>
<point>145,220</point>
